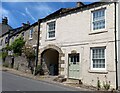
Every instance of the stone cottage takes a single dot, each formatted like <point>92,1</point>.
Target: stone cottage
<point>80,43</point>
<point>4,32</point>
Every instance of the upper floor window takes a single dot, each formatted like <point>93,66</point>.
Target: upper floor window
<point>51,30</point>
<point>6,40</point>
<point>98,20</point>
<point>1,42</point>
<point>31,33</point>
<point>17,35</point>
<point>12,39</point>
<point>22,33</point>
<point>98,58</point>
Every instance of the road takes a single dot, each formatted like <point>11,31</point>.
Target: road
<point>12,82</point>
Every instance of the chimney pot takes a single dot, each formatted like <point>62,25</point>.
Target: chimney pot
<point>28,22</point>
<point>79,4</point>
<point>5,20</point>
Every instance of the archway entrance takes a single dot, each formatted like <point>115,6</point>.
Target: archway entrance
<point>50,61</point>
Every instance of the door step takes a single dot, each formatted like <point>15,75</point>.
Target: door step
<point>60,79</point>
<point>75,81</point>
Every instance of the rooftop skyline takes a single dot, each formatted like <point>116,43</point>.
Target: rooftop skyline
<point>21,12</point>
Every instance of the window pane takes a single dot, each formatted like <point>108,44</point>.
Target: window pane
<point>99,19</point>
<point>74,58</point>
<point>51,34</point>
<point>78,58</point>
<point>51,29</point>
<point>98,57</point>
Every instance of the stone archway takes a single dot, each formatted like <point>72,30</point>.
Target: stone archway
<point>54,50</point>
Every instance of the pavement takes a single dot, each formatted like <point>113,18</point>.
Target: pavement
<point>13,82</point>
<point>46,79</point>
<point>12,75</point>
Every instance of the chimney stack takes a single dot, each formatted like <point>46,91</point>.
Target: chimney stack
<point>79,4</point>
<point>5,20</point>
<point>28,22</point>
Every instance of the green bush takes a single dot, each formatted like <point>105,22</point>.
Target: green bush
<point>17,46</point>
<point>8,48</point>
<point>39,70</point>
<point>106,85</point>
<point>29,52</point>
<point>98,84</point>
<point>4,55</point>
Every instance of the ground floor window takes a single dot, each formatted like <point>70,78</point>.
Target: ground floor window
<point>98,58</point>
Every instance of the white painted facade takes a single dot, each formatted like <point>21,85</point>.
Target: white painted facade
<point>74,32</point>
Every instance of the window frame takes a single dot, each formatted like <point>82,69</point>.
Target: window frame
<point>1,42</point>
<point>13,38</point>
<point>49,38</point>
<point>6,40</point>
<point>92,27</point>
<point>31,33</point>
<point>91,50</point>
<point>23,34</point>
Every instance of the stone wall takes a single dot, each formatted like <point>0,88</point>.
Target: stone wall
<point>8,60</point>
<point>20,63</point>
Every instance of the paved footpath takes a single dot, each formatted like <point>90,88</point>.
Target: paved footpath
<point>14,80</point>
<point>7,73</point>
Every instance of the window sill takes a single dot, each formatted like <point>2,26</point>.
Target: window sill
<point>98,71</point>
<point>97,32</point>
<point>30,38</point>
<point>50,39</point>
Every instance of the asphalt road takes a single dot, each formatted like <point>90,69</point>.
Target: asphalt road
<point>12,82</point>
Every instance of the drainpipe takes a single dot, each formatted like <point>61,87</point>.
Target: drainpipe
<point>116,47</point>
<point>37,50</point>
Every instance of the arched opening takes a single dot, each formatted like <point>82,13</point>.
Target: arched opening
<point>50,61</point>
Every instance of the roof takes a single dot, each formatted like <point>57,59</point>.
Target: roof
<point>18,30</point>
<point>4,29</point>
<point>65,11</point>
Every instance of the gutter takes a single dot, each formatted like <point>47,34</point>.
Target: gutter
<point>116,47</point>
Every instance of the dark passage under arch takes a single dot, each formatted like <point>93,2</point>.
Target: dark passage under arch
<point>50,61</point>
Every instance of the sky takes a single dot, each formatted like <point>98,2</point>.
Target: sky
<point>21,12</point>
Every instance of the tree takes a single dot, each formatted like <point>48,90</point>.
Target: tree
<point>29,52</point>
<point>30,55</point>
<point>17,46</point>
<point>4,55</point>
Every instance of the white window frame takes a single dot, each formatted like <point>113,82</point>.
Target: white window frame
<point>92,58</point>
<point>102,29</point>
<point>31,33</point>
<point>6,40</point>
<point>49,38</point>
